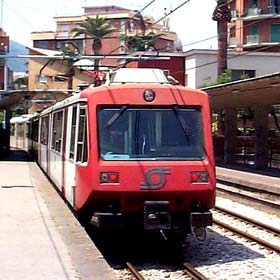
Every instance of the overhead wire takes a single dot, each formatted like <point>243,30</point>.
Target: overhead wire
<point>231,57</point>
<point>139,12</point>
<point>172,11</point>
<point>253,22</point>
<point>19,15</point>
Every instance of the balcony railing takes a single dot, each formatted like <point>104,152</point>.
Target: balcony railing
<point>273,9</point>
<point>253,12</point>
<point>234,13</point>
<point>252,39</point>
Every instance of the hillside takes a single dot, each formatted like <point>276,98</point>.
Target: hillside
<point>17,64</point>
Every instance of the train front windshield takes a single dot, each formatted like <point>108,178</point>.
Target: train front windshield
<point>173,133</point>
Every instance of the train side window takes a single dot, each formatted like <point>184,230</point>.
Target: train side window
<point>82,149</point>
<point>34,130</point>
<point>57,131</point>
<point>73,132</point>
<point>45,130</point>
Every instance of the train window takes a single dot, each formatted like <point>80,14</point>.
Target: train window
<point>57,131</point>
<point>82,149</point>
<point>158,133</point>
<point>73,132</point>
<point>44,130</point>
<point>34,130</point>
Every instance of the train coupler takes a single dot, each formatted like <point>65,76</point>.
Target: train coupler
<point>157,215</point>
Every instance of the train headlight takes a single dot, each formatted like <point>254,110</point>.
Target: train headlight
<point>109,177</point>
<point>199,177</point>
<point>149,95</point>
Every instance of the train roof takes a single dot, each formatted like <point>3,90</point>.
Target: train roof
<point>23,118</point>
<point>121,77</point>
<point>137,75</point>
<point>64,102</point>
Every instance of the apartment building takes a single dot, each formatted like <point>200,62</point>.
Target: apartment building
<point>255,25</point>
<point>55,75</point>
<point>6,75</point>
<point>125,21</point>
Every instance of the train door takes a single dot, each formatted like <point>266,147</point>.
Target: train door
<point>55,154</point>
<point>44,140</point>
<point>69,167</point>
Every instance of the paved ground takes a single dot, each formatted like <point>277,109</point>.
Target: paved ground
<point>40,238</point>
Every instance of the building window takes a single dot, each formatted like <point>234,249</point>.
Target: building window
<point>237,74</point>
<point>57,131</point>
<point>254,30</point>
<point>43,45</point>
<point>273,6</point>
<point>122,26</point>
<point>275,33</point>
<point>42,79</point>
<point>131,26</point>
<point>253,3</point>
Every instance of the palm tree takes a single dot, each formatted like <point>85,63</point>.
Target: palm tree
<point>95,29</point>
<point>222,15</point>
<point>70,53</point>
<point>141,42</point>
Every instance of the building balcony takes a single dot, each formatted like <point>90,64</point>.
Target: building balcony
<point>253,13</point>
<point>256,41</point>
<point>67,35</point>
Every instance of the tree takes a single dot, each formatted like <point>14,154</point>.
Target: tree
<point>141,42</point>
<point>222,15</point>
<point>95,29</point>
<point>70,52</point>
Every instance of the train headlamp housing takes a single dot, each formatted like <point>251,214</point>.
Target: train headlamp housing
<point>149,95</point>
<point>109,177</point>
<point>199,177</point>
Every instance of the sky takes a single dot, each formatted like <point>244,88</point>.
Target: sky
<point>192,22</point>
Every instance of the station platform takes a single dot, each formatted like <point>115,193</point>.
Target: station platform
<point>40,238</point>
<point>268,179</point>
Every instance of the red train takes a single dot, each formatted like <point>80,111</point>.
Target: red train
<point>131,154</point>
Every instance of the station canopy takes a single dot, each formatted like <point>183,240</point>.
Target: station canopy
<point>259,91</point>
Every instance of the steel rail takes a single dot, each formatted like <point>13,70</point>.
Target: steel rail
<point>134,271</point>
<point>264,202</point>
<point>248,236</point>
<point>193,273</point>
<point>249,220</point>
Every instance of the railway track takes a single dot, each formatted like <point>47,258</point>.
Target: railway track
<point>137,275</point>
<point>267,201</point>
<point>193,273</point>
<point>187,269</point>
<point>270,231</point>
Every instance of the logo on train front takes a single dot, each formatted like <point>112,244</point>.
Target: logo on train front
<point>155,178</point>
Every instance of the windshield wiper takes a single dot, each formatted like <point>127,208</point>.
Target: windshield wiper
<point>116,116</point>
<point>182,121</point>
